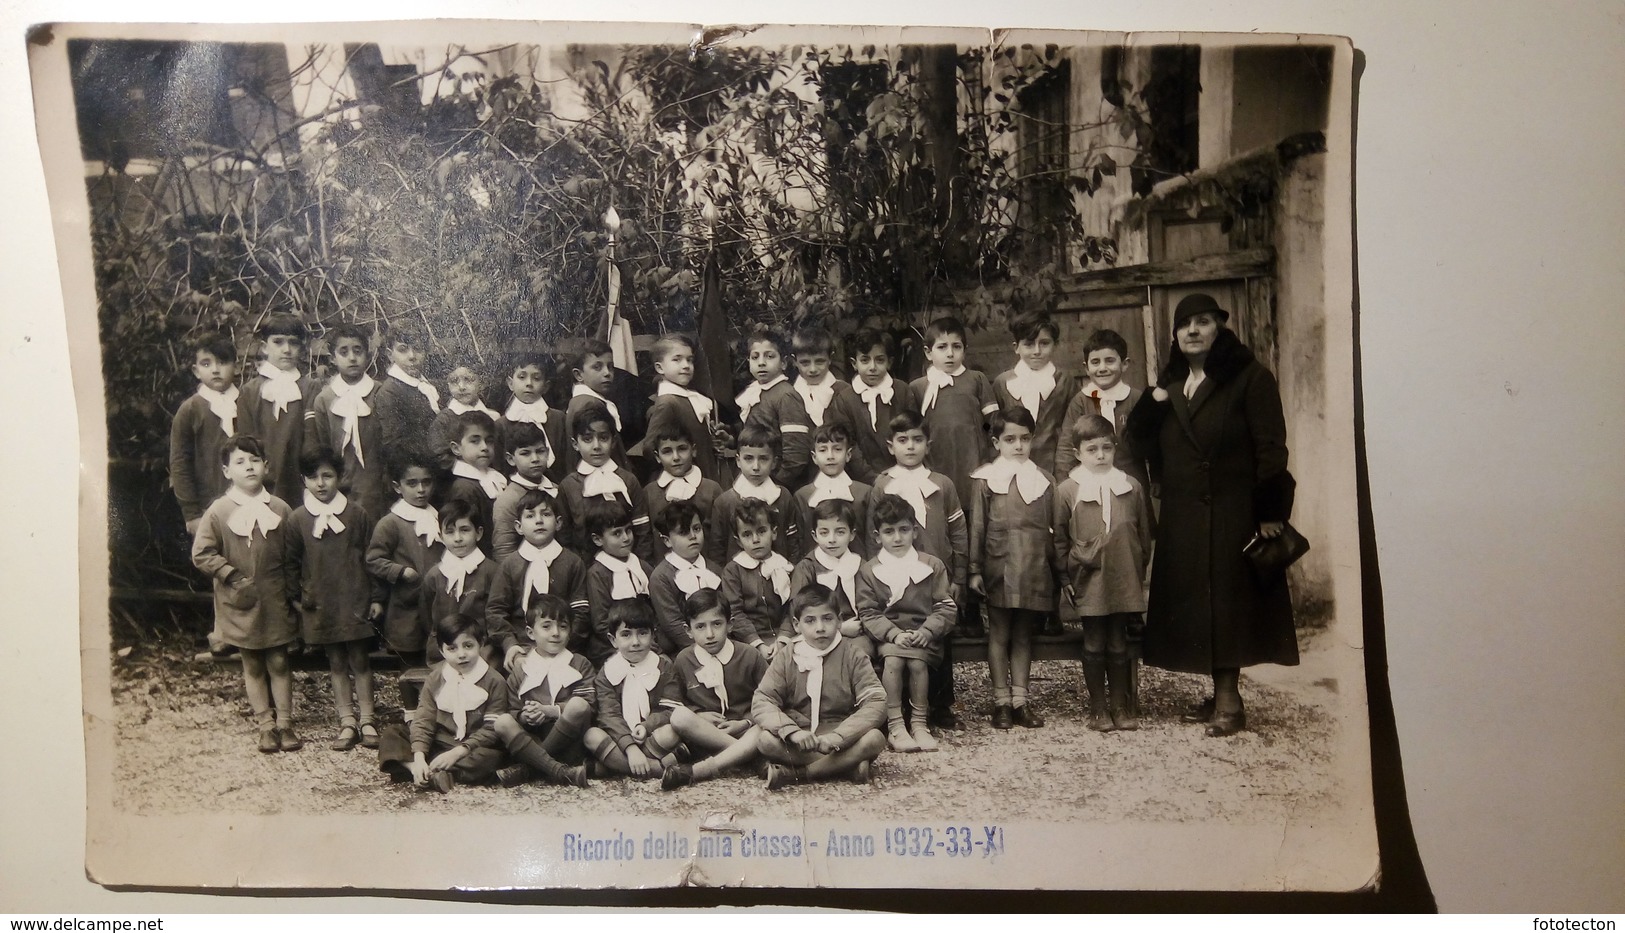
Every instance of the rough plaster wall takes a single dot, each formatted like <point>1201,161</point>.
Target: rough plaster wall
<point>1301,343</point>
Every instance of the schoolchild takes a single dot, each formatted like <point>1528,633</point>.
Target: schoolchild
<point>831,455</point>
<point>241,543</point>
<point>342,420</point>
<point>758,453</point>
<point>1037,384</point>
<point>828,400</point>
<point>460,582</point>
<point>329,553</point>
<point>201,425</point>
<point>530,378</point>
<point>1106,547</point>
<point>597,477</point>
<point>472,480</point>
<point>1105,394</point>
<point>463,385</point>
<point>529,454</point>
<point>615,573</point>
<point>632,734</point>
<point>1014,565</point>
<point>834,564</point>
<point>820,706</point>
<point>273,405</point>
<point>405,402</point>
<point>679,410</point>
<point>680,479</point>
<point>709,694</point>
<point>540,566</point>
<point>592,373</point>
<point>405,544</point>
<point>941,530</point>
<point>954,401</point>
<point>451,740</point>
<point>550,690</point>
<point>683,571</point>
<point>756,581</point>
<point>906,605</point>
<point>881,397</point>
<point>771,403</point>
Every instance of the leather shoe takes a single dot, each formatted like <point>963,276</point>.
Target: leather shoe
<point>1224,724</point>
<point>1024,717</point>
<point>1201,712</point>
<point>1003,717</point>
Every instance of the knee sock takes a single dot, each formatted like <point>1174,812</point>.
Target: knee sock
<point>1018,696</point>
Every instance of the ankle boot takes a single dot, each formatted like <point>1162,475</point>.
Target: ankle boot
<point>1118,674</point>
<point>1094,678</point>
<point>547,766</point>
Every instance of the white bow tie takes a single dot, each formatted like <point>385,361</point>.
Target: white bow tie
<point>614,410</point>
<point>702,406</point>
<point>898,572</point>
<point>461,694</point>
<point>678,488</point>
<point>635,681</point>
<point>1108,398</point>
<point>457,570</point>
<point>224,406</point>
<point>841,575</point>
<point>555,671</point>
<point>1100,487</point>
<point>350,403</point>
<point>816,398</point>
<point>425,524</point>
<point>773,568</point>
<point>491,482</point>
<point>325,513</point>
<point>824,487</point>
<point>873,396</point>
<point>253,512</point>
<point>767,492</point>
<point>1029,479</point>
<point>628,580</point>
<point>538,569</point>
<point>811,660</point>
<point>1031,386</point>
<point>281,387</point>
<point>935,381</point>
<point>530,412</point>
<point>601,481</point>
<point>692,577</point>
<point>458,408</point>
<point>711,672</point>
<point>752,395</point>
<point>914,485</point>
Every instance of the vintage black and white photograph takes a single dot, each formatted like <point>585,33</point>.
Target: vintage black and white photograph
<point>592,455</point>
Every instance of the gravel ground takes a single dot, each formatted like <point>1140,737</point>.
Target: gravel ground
<point>186,744</point>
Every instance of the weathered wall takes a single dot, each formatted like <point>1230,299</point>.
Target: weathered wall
<point>1300,299</point>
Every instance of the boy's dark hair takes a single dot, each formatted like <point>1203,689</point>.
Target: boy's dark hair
<point>943,327</point>
<point>892,509</point>
<point>761,333</point>
<point>216,344</point>
<point>600,514</point>
<point>547,606</point>
<point>906,420</point>
<point>247,443</point>
<point>870,337</point>
<point>663,347</point>
<point>1015,414</point>
<point>590,414</point>
<point>679,516</point>
<point>517,434</point>
<point>407,457</point>
<point>536,499</point>
<point>312,459</point>
<point>701,600</point>
<point>832,432</point>
<point>585,349</point>
<point>347,331</point>
<point>756,435</point>
<point>1089,427</point>
<point>283,324</point>
<point>456,509</point>
<point>752,513</point>
<point>836,509</point>
<point>811,596</point>
<point>667,431</point>
<point>475,419</point>
<point>409,332</point>
<point>808,341</point>
<point>536,358</point>
<point>635,613</point>
<point>449,628</point>
<point>1028,325</point>
<point>1104,339</point>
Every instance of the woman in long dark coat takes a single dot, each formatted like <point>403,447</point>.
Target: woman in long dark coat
<point>1215,436</point>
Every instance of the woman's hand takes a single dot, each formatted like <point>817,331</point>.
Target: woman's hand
<point>1269,530</point>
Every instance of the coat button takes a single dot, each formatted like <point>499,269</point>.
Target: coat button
<point>1204,466</point>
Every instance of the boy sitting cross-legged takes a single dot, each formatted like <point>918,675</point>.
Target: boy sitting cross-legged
<point>453,721</point>
<point>820,706</point>
<point>551,691</point>
<point>540,567</point>
<point>632,735</point>
<point>709,695</point>
<point>684,571</point>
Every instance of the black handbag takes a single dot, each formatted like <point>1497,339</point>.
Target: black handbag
<point>1271,557</point>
